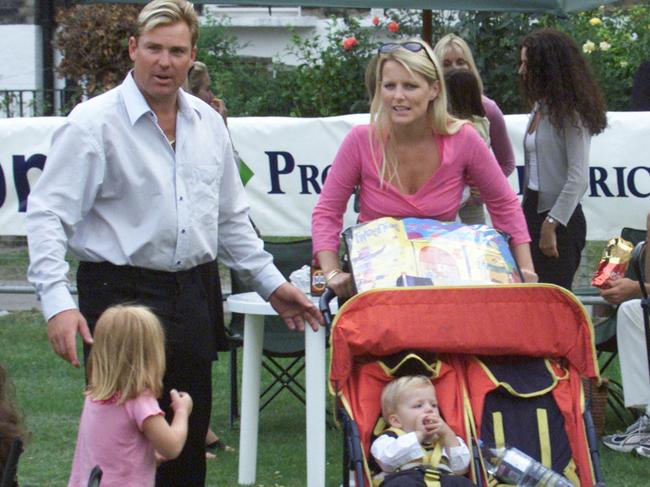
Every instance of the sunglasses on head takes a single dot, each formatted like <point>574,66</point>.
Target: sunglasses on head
<point>409,46</point>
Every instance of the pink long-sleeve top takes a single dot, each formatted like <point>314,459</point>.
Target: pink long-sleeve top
<point>499,140</point>
<point>461,154</point>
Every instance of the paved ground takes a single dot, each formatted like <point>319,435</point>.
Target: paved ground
<point>18,301</point>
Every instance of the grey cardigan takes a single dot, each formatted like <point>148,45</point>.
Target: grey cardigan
<point>562,164</point>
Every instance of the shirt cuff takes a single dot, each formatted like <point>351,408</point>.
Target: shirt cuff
<point>56,300</point>
<point>267,281</point>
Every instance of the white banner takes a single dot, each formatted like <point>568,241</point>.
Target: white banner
<point>289,159</point>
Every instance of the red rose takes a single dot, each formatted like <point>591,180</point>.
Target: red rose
<point>393,26</point>
<point>349,43</point>
<point>375,20</point>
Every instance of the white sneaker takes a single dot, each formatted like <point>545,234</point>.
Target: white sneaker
<point>635,434</point>
<point>643,450</point>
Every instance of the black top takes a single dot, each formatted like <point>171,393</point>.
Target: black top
<point>641,88</point>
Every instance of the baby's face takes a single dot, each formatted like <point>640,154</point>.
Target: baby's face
<point>417,406</point>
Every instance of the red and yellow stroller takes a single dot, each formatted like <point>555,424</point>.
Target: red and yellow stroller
<point>527,342</point>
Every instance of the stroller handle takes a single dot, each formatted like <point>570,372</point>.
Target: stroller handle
<point>324,306</point>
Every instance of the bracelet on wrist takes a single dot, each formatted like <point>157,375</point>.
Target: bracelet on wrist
<point>330,275</point>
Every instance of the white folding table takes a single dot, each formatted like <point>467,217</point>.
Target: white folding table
<point>255,309</point>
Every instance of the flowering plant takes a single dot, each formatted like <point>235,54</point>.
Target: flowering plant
<point>615,40</point>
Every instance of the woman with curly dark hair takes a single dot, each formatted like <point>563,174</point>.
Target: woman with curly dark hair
<point>567,109</point>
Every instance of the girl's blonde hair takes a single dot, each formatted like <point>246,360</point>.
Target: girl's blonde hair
<point>128,354</point>
<point>195,76</point>
<point>452,40</point>
<point>396,391</point>
<point>425,64</point>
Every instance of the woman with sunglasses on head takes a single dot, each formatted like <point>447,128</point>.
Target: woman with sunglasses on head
<point>567,109</point>
<point>411,161</point>
<point>454,53</point>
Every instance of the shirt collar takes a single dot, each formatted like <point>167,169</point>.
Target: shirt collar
<point>136,104</point>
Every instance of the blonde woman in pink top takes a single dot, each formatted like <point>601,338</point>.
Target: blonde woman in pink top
<point>122,428</point>
<point>411,161</point>
<point>454,53</point>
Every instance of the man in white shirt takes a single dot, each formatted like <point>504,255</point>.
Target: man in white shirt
<point>633,358</point>
<point>141,185</point>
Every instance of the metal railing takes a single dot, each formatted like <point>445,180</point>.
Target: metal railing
<point>38,103</point>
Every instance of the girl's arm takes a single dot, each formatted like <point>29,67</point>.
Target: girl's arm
<point>168,439</point>
<point>499,139</point>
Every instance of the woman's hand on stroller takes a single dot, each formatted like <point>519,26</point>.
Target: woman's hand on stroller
<point>341,283</point>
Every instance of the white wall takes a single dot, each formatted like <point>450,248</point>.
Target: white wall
<point>268,35</point>
<point>20,57</point>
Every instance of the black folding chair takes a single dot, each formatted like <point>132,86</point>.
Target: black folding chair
<point>605,336</point>
<point>10,469</point>
<point>280,343</point>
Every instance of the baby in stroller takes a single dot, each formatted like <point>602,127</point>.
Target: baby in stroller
<point>417,444</point>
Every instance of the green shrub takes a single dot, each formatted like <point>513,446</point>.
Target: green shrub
<point>329,80</point>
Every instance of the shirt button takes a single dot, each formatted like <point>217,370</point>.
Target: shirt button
<point>180,199</point>
<point>183,230</point>
<point>178,262</point>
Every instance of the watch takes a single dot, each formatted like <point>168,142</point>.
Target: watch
<point>551,220</point>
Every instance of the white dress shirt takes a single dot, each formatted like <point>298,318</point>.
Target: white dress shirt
<point>114,190</point>
<point>391,453</point>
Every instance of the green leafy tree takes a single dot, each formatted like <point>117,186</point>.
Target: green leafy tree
<point>93,41</point>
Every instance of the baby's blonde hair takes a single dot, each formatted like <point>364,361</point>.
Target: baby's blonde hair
<point>426,65</point>
<point>396,392</point>
<point>128,354</point>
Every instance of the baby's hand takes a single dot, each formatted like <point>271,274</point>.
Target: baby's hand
<point>425,429</point>
<point>181,401</point>
<point>443,431</point>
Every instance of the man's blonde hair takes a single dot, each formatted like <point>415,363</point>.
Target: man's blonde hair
<point>166,12</point>
<point>425,64</point>
<point>396,392</point>
<point>452,40</point>
<point>128,354</point>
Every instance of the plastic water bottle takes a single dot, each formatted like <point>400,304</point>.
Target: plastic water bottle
<point>514,467</point>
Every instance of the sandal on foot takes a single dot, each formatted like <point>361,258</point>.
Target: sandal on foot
<point>219,445</point>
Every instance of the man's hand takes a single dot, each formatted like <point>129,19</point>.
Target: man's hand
<point>619,290</point>
<point>62,332</point>
<point>548,240</point>
<point>295,308</point>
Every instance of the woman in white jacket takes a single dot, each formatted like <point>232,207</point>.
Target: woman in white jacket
<point>567,109</point>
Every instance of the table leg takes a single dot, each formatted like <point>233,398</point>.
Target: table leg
<point>315,388</point>
<point>250,398</point>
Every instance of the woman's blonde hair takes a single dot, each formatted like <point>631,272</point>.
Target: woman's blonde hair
<point>195,77</point>
<point>452,40</point>
<point>425,64</point>
<point>395,392</point>
<point>128,354</point>
<point>166,12</point>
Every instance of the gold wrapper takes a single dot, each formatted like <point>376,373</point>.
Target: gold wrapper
<point>613,262</point>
